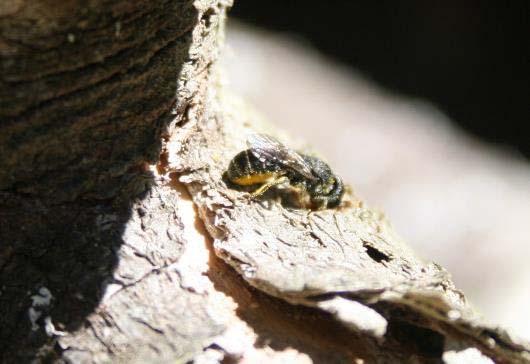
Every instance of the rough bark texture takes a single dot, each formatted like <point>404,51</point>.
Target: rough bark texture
<point>86,92</point>
<point>346,262</point>
<point>111,119</point>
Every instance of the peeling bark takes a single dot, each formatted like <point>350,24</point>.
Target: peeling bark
<point>119,240</point>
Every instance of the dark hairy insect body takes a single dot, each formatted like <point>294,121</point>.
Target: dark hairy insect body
<point>246,169</point>
<point>307,180</point>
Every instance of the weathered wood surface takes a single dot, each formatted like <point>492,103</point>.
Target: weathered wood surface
<point>111,251</point>
<point>347,261</point>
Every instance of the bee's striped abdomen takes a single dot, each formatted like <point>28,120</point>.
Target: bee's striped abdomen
<point>246,169</point>
<point>254,179</point>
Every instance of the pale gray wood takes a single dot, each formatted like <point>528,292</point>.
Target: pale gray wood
<point>346,261</point>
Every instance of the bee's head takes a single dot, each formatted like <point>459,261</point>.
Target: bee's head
<point>327,189</point>
<point>329,193</point>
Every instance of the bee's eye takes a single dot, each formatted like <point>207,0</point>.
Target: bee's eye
<point>328,186</point>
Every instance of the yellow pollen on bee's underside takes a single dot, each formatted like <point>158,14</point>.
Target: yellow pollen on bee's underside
<point>253,179</point>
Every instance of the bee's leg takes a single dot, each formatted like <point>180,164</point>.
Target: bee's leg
<point>320,202</point>
<point>298,196</point>
<point>263,188</point>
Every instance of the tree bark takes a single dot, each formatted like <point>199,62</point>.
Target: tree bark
<point>119,240</point>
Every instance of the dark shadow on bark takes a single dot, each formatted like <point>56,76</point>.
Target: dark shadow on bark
<point>73,159</point>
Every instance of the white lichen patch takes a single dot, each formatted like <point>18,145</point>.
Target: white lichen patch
<point>40,301</point>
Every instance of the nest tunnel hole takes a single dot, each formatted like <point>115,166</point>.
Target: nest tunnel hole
<point>376,254</point>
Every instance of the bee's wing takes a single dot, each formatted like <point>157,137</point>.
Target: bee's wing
<point>267,148</point>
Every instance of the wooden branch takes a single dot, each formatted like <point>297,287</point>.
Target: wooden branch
<point>347,262</point>
<point>111,251</point>
<point>86,228</point>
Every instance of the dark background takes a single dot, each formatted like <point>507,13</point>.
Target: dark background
<point>470,58</point>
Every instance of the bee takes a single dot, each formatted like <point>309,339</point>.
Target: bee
<point>267,163</point>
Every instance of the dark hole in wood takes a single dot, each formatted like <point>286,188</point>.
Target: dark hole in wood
<point>423,341</point>
<point>207,17</point>
<point>375,254</point>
